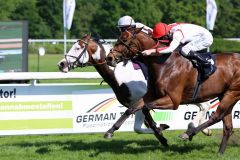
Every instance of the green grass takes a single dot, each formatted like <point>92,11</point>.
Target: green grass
<point>48,63</point>
<point>123,146</point>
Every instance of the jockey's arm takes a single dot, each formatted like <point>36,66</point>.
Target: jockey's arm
<point>145,29</point>
<point>177,37</point>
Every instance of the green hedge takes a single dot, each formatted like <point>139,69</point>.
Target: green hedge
<point>219,45</point>
<point>49,48</point>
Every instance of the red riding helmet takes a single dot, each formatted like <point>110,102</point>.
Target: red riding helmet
<point>160,30</point>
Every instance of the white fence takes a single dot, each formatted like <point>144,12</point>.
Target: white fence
<point>47,75</point>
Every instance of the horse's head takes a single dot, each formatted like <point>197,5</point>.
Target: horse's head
<point>85,51</point>
<point>129,45</point>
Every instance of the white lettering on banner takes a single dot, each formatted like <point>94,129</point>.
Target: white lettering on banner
<point>8,94</point>
<point>39,106</point>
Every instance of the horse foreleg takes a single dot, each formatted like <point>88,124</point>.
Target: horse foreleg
<point>134,108</point>
<point>117,125</point>
<point>152,124</point>
<point>227,132</point>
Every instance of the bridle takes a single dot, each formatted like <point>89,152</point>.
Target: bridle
<point>77,63</point>
<point>127,44</point>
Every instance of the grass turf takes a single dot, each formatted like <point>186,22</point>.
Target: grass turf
<point>124,145</point>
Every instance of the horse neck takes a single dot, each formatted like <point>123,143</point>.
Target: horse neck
<point>144,41</point>
<point>105,71</point>
<point>108,75</point>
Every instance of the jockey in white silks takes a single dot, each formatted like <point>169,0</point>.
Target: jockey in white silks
<point>127,22</point>
<point>192,38</point>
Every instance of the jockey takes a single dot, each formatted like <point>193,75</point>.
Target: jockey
<point>127,22</point>
<point>190,37</point>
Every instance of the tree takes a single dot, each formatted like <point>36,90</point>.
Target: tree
<point>26,10</point>
<point>227,19</point>
<point>111,11</point>
<point>52,15</point>
<point>46,17</point>
<point>7,7</point>
<point>83,20</point>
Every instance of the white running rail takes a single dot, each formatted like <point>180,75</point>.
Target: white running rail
<point>47,75</point>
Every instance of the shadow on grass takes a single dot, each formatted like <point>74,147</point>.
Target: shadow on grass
<point>112,146</point>
<point>120,146</point>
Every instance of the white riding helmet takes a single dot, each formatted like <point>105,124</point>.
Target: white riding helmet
<point>126,21</point>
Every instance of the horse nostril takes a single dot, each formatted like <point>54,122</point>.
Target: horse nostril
<point>61,64</point>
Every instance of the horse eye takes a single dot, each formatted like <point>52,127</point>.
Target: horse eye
<point>77,48</point>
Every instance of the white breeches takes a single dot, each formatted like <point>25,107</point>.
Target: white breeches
<point>199,43</point>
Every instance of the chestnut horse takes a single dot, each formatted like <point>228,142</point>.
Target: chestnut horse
<point>172,80</point>
<point>128,91</point>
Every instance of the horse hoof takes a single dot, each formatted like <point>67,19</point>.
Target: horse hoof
<point>163,126</point>
<point>108,135</point>
<point>184,136</point>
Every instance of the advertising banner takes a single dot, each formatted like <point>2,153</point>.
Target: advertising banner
<point>13,46</point>
<point>46,109</point>
<point>58,108</point>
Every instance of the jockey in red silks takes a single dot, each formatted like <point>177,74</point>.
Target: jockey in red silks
<point>192,38</point>
<point>127,22</point>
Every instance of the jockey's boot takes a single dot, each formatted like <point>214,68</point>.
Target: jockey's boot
<point>208,68</point>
